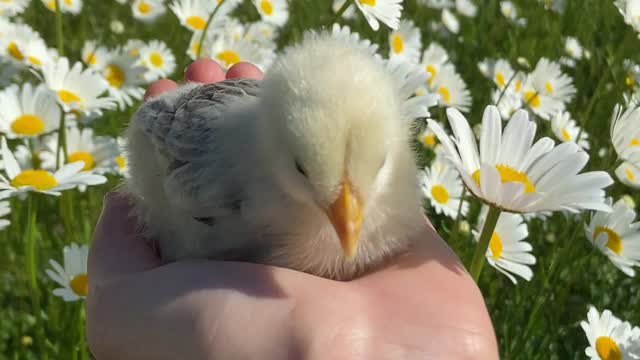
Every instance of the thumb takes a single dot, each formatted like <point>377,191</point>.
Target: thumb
<point>117,247</point>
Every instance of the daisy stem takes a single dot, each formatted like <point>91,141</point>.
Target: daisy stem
<point>485,237</point>
<point>345,5</point>
<point>59,35</point>
<point>30,252</point>
<point>206,27</point>
<point>62,141</point>
<point>504,90</point>
<point>82,342</point>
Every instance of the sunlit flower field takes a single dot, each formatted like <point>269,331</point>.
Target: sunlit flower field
<point>527,133</point>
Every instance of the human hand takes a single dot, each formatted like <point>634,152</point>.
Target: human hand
<point>422,305</point>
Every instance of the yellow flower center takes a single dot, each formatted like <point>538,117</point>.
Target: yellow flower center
<point>495,244</point>
<point>134,52</point>
<point>444,92</point>
<point>548,87</point>
<point>67,96</point>
<point>82,156</point>
<point>119,161</point>
<point>196,22</point>
<point>80,284</point>
<point>91,58</point>
<point>613,239</point>
<point>371,3</point>
<point>500,79</point>
<point>440,194</point>
<point>532,98</point>
<point>14,51</point>
<point>565,135</point>
<point>34,60</point>
<point>230,57</point>
<point>429,139</point>
<point>518,85</point>
<point>39,179</point>
<point>266,7</point>
<point>509,174</point>
<point>607,349</point>
<point>156,59</point>
<point>28,124</point>
<point>397,44</point>
<point>630,80</point>
<point>630,174</point>
<point>144,8</point>
<point>51,4</point>
<point>634,142</point>
<point>114,75</point>
<point>431,70</point>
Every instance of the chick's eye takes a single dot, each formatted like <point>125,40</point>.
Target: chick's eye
<point>301,169</point>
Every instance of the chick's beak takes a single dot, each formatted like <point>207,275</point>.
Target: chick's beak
<point>346,216</point>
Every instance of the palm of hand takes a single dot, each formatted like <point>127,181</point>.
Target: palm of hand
<point>422,305</point>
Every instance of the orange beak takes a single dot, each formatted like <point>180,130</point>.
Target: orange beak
<point>346,216</point>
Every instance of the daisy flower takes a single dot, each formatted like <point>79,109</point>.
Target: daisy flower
<point>513,174</point>
<point>617,236</point>
<point>555,5</point>
<point>158,59</point>
<point>125,77</point>
<point>132,47</point>
<point>633,73</point>
<point>630,10</point>
<point>36,54</point>
<point>548,90</point>
<point>509,11</point>
<point>508,252</point>
<point>97,153</point>
<point>13,7</point>
<point>66,6</point>
<point>262,33</point>
<point>5,209</point>
<point>433,59</point>
<point>20,182</point>
<point>275,12</point>
<point>573,48</point>
<point>405,43</point>
<point>466,8</point>
<point>450,21</point>
<point>15,40</point>
<point>93,55</point>
<point>508,102</point>
<point>227,52</point>
<point>428,138</point>
<point>565,129</point>
<point>438,4</point>
<point>73,276</point>
<point>193,14</point>
<point>451,88</point>
<point>607,336</point>
<point>441,184</point>
<point>386,11</point>
<point>76,89</point>
<point>408,78</point>
<point>147,10</point>
<point>28,112</point>
<point>628,174</point>
<point>625,133</point>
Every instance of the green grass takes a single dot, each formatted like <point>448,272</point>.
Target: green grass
<point>533,320</point>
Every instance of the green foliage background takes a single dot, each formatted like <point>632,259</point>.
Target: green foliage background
<point>533,320</point>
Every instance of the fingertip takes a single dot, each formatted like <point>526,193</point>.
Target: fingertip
<point>244,70</point>
<point>159,87</point>
<point>204,70</point>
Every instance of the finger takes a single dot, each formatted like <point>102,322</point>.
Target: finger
<point>204,71</point>
<point>117,249</point>
<point>244,70</point>
<point>159,87</point>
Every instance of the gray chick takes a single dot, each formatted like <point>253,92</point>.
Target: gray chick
<point>309,169</point>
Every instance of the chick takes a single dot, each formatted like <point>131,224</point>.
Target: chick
<point>309,169</point>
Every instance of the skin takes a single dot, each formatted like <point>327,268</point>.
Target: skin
<point>423,305</point>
